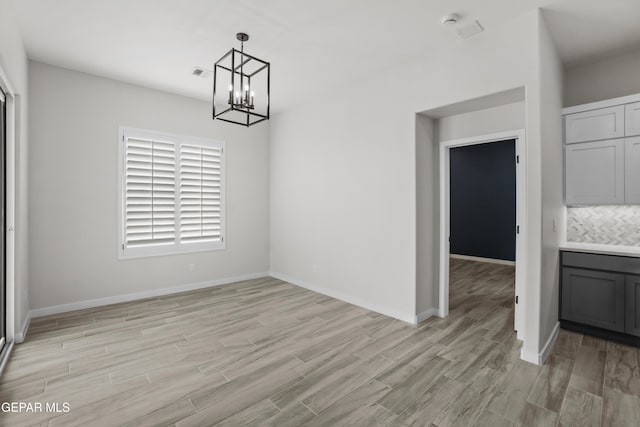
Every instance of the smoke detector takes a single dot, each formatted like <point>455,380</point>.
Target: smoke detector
<point>202,72</point>
<point>450,19</point>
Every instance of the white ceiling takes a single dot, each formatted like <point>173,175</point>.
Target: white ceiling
<point>587,31</point>
<point>312,45</point>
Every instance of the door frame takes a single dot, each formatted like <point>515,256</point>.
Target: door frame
<point>521,209</point>
<point>11,132</point>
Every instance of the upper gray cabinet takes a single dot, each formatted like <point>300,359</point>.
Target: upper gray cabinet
<point>603,123</point>
<point>632,170</point>
<point>602,161</point>
<point>595,172</point>
<point>632,119</point>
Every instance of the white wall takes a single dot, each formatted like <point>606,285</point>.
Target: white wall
<point>610,78</point>
<point>482,122</point>
<point>342,201</point>
<point>427,215</point>
<point>13,61</point>
<point>343,178</point>
<point>73,189</point>
<point>551,85</point>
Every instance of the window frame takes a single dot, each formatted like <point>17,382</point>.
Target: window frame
<point>176,248</point>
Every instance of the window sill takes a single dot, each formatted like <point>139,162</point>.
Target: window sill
<point>151,252</point>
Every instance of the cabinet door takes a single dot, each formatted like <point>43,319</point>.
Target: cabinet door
<point>595,172</point>
<point>632,170</point>
<point>593,298</point>
<point>632,301</point>
<point>604,123</point>
<point>632,119</point>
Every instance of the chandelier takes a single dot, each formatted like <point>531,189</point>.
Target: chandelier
<point>241,86</point>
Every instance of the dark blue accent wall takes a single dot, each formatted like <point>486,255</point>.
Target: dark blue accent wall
<point>483,200</point>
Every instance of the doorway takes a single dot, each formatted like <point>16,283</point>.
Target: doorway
<point>9,105</point>
<point>470,221</point>
<point>3,227</point>
<point>483,202</point>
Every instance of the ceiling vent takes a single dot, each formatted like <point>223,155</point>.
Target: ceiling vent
<point>202,72</point>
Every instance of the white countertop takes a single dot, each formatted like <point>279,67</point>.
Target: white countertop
<point>594,248</point>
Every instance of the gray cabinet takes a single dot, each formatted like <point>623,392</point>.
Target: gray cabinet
<point>602,152</point>
<point>600,295</point>
<point>632,170</point>
<point>595,172</point>
<point>594,298</point>
<point>632,119</point>
<point>593,125</point>
<point>632,305</point>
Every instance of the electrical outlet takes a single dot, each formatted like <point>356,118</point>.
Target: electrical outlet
<point>192,268</point>
<point>555,228</point>
<point>315,268</point>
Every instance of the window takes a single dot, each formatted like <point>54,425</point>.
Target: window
<point>171,194</point>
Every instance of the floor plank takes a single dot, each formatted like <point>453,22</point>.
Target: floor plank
<point>589,370</point>
<point>581,409</point>
<point>620,409</point>
<point>551,385</point>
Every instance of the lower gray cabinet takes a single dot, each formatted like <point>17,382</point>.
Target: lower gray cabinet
<point>632,297</point>
<point>595,298</point>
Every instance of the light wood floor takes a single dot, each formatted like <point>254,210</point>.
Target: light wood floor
<point>264,352</point>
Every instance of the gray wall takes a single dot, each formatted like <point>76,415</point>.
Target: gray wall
<point>483,200</point>
<point>73,189</point>
<point>611,78</point>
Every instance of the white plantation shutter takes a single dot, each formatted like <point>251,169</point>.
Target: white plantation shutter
<point>150,193</point>
<point>200,193</point>
<point>172,194</point>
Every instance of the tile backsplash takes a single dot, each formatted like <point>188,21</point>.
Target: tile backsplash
<point>611,225</point>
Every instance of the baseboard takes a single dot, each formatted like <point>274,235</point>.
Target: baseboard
<point>4,356</point>
<point>63,308</point>
<point>22,334</point>
<point>548,346</point>
<point>529,356</point>
<point>411,319</point>
<point>421,317</point>
<point>480,259</point>
<point>540,358</point>
<point>619,337</point>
